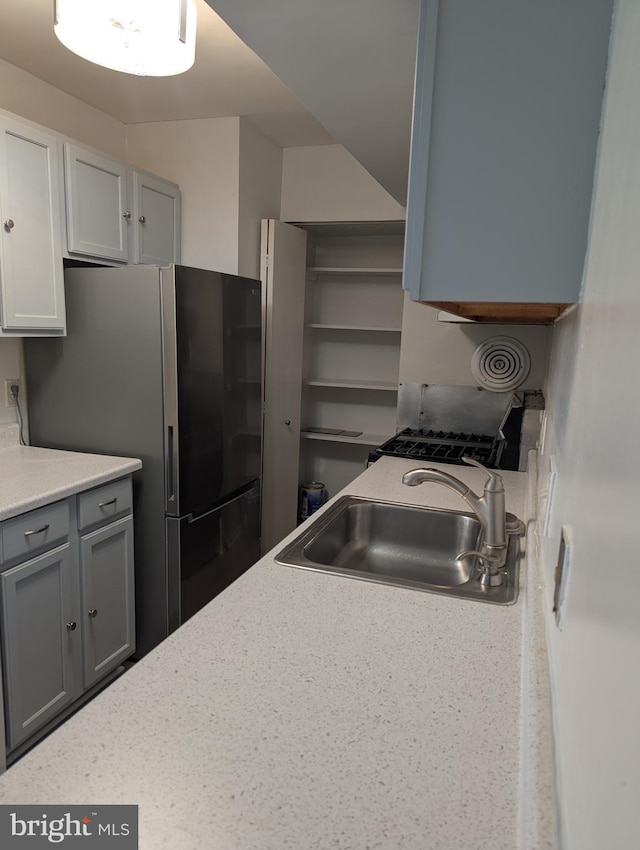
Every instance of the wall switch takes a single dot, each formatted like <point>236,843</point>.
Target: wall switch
<point>9,399</point>
<point>543,431</point>
<point>561,577</point>
<point>551,489</point>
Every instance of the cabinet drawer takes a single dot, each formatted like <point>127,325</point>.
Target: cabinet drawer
<point>37,530</point>
<point>105,503</point>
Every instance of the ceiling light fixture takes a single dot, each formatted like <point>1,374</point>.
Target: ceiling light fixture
<point>155,38</point>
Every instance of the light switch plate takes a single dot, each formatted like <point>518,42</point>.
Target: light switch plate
<point>561,576</point>
<point>551,489</point>
<point>543,431</point>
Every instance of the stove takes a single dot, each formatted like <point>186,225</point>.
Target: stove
<point>446,447</point>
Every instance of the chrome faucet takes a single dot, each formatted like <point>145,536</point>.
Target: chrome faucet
<point>490,510</point>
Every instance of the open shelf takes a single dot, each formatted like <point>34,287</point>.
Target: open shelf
<point>356,384</point>
<point>375,329</point>
<point>355,271</point>
<point>360,440</point>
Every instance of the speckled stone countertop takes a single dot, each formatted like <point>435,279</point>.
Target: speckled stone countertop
<point>31,477</point>
<point>301,710</point>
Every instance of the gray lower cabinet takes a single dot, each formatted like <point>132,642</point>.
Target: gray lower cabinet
<point>67,604</point>
<point>106,580</point>
<point>41,641</point>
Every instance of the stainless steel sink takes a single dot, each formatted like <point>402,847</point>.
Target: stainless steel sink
<point>401,545</point>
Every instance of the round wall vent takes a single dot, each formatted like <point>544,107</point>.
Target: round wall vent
<point>500,363</point>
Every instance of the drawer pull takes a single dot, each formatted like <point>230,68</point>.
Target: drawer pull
<point>36,530</point>
<point>110,502</point>
<point>72,626</point>
<point>92,612</point>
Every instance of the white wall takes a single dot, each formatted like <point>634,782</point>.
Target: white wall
<point>10,368</point>
<point>30,97</point>
<point>260,190</point>
<point>325,183</point>
<point>434,352</point>
<point>593,388</point>
<point>202,156</point>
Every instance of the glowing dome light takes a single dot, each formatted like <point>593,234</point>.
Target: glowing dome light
<point>155,38</point>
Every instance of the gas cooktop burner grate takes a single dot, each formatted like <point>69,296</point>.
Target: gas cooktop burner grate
<point>446,447</point>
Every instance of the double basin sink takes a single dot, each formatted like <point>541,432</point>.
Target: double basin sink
<point>402,545</point>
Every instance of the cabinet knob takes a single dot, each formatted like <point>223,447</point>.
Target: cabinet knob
<point>9,224</point>
<point>142,219</point>
<point>92,612</point>
<point>126,214</point>
<point>72,626</point>
<point>287,422</point>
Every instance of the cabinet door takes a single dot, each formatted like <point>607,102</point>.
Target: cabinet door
<point>156,220</point>
<point>98,208</point>
<point>40,641</point>
<point>31,272</point>
<point>283,272</point>
<point>506,121</point>
<point>106,574</point>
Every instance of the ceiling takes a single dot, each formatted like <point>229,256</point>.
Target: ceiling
<point>304,72</point>
<point>351,62</point>
<point>227,79</point>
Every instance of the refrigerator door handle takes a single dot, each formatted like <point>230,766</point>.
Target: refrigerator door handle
<point>191,518</point>
<point>171,467</point>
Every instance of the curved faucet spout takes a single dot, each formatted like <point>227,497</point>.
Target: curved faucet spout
<point>489,508</point>
<point>419,476</point>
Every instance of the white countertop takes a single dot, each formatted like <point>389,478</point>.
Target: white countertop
<point>31,477</point>
<point>301,710</point>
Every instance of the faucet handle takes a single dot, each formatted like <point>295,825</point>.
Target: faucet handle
<point>494,483</point>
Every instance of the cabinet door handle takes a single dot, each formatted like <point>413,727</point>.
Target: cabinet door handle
<point>92,612</point>
<point>126,214</point>
<point>109,502</point>
<point>71,626</point>
<point>9,224</point>
<point>142,219</point>
<point>36,530</point>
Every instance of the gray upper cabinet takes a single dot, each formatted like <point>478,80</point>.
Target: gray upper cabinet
<point>31,273</point>
<point>156,221</point>
<point>40,641</point>
<point>99,210</point>
<point>506,120</point>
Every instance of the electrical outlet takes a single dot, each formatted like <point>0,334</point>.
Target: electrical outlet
<point>561,577</point>
<point>9,399</point>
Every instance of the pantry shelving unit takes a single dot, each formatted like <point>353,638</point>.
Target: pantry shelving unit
<point>353,324</point>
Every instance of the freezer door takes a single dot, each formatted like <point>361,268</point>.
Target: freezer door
<point>213,386</point>
<point>207,554</point>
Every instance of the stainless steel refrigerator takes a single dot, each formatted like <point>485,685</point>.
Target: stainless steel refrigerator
<point>164,364</point>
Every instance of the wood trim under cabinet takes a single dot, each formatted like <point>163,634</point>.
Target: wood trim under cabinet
<point>504,312</point>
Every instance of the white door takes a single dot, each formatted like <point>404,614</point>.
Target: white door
<point>98,208</point>
<point>283,271</point>
<point>157,220</point>
<point>30,245</point>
